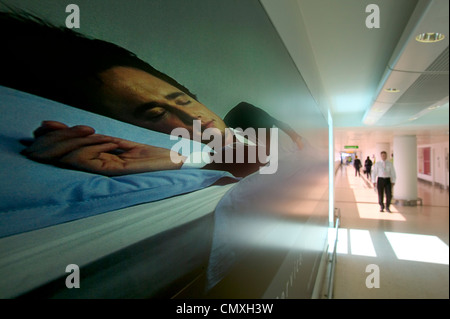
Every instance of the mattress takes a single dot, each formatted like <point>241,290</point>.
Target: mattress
<point>147,250</point>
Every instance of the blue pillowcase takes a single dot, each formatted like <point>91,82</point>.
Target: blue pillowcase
<point>35,195</point>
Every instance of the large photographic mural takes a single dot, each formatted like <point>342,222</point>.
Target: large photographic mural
<point>224,82</point>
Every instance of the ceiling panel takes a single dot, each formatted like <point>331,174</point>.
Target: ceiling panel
<point>355,62</point>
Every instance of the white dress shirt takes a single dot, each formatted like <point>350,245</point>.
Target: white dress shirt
<point>383,169</point>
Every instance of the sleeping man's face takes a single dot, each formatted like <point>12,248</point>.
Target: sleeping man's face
<point>139,98</point>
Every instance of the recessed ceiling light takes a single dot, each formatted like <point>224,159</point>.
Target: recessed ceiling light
<point>430,37</point>
<point>433,107</point>
<point>392,90</point>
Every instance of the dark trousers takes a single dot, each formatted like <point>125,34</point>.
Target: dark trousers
<point>384,185</point>
<point>368,171</point>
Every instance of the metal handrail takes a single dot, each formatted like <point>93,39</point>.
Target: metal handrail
<point>332,256</point>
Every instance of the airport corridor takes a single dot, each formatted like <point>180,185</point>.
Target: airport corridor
<point>404,254</point>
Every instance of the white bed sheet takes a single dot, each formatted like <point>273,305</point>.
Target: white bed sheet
<point>30,260</point>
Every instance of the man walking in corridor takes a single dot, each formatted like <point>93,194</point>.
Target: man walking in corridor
<point>357,164</point>
<point>383,178</point>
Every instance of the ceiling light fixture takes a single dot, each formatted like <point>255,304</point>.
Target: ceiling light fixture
<point>392,90</point>
<point>433,107</point>
<point>430,37</point>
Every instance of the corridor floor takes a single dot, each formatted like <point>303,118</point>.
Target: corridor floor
<point>400,255</point>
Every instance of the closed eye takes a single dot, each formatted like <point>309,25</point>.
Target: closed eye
<point>155,110</point>
<point>180,98</point>
<point>155,114</point>
<point>141,110</point>
<point>183,102</point>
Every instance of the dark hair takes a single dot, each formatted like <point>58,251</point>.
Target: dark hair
<point>58,63</point>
